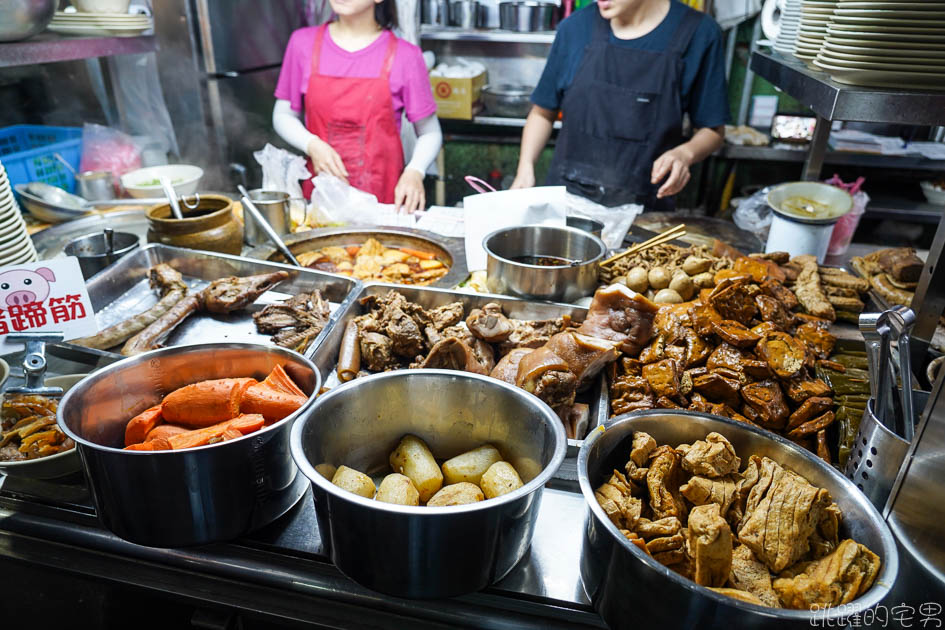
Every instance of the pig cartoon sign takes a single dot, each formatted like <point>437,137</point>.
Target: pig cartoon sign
<point>48,296</point>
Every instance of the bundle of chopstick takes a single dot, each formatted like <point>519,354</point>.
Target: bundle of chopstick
<point>669,235</point>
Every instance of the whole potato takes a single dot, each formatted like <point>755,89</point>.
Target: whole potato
<point>456,494</point>
<point>667,296</point>
<point>658,277</point>
<point>637,280</point>
<point>501,478</point>
<point>326,470</point>
<point>705,280</point>
<point>396,488</point>
<point>696,264</point>
<point>470,465</point>
<point>683,285</point>
<point>413,459</point>
<point>354,481</point>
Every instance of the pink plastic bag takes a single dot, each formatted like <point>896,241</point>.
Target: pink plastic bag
<point>107,149</point>
<point>844,229</point>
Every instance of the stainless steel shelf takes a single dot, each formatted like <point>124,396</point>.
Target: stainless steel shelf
<point>835,101</point>
<point>49,48</point>
<point>501,121</point>
<point>841,158</point>
<point>445,33</point>
<point>882,207</point>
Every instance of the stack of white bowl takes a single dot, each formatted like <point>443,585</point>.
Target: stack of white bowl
<point>16,246</point>
<point>788,25</point>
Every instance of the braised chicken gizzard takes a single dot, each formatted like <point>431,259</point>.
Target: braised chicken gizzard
<point>739,350</point>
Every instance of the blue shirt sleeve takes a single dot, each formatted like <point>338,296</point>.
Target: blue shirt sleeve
<point>550,89</point>
<point>705,64</point>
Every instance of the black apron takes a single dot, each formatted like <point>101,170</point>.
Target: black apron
<point>622,111</point>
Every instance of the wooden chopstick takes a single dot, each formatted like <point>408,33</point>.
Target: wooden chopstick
<point>664,237</point>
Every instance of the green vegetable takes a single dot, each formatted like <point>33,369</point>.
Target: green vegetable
<point>851,361</point>
<point>156,182</point>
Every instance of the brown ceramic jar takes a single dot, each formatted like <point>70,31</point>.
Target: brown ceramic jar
<point>211,226</point>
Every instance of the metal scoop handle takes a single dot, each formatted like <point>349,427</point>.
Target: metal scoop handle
<point>261,221</point>
<point>34,363</point>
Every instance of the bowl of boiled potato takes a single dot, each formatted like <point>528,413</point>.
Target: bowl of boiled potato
<point>427,483</point>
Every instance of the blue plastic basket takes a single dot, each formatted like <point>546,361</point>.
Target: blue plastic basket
<point>26,152</point>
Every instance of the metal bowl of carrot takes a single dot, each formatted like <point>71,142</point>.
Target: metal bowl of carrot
<point>190,445</point>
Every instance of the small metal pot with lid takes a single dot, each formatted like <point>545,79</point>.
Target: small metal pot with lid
<point>804,216</point>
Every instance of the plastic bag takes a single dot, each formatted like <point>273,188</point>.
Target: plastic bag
<point>754,214</point>
<point>283,170</point>
<point>845,227</point>
<point>616,220</point>
<point>341,203</point>
<point>140,100</point>
<point>107,149</point>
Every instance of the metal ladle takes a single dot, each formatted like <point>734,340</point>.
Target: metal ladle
<point>171,196</point>
<point>261,221</point>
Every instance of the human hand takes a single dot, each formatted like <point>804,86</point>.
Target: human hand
<point>409,195</point>
<point>325,159</point>
<point>524,178</point>
<point>674,163</point>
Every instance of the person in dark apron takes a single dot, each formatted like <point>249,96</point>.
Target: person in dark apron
<point>623,73</point>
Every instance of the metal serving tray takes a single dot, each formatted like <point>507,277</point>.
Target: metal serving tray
<point>325,353</point>
<point>450,250</point>
<point>122,290</point>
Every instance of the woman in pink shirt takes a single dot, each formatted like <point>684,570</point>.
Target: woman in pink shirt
<point>352,79</point>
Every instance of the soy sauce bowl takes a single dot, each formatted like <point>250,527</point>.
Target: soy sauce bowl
<point>510,252</point>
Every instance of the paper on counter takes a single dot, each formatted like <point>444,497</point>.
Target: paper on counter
<point>488,212</point>
<point>442,220</point>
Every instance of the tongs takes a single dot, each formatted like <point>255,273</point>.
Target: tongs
<point>34,364</point>
<point>900,320</point>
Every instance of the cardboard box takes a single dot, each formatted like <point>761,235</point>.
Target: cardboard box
<point>457,98</point>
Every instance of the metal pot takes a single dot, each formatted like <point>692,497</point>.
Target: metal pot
<point>189,497</point>
<point>625,584</point>
<point>435,12</point>
<point>586,224</point>
<point>526,17</point>
<point>274,206</point>
<point>423,552</point>
<point>512,101</point>
<point>211,226</point>
<point>92,250</point>
<point>557,284</point>
<point>20,19</point>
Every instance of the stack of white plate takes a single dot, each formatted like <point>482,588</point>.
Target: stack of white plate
<point>886,44</point>
<point>789,24</point>
<point>100,24</point>
<point>816,16</point>
<point>16,246</point>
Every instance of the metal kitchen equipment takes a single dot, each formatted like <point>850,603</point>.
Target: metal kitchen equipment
<point>20,19</point>
<point>591,226</point>
<point>171,197</point>
<point>274,206</point>
<point>94,253</point>
<point>625,584</point>
<point>467,14</point>
<point>34,363</point>
<point>325,352</point>
<point>435,12</point>
<point>526,17</point>
<point>557,284</point>
<point>261,223</point>
<point>901,319</point>
<point>123,290</point>
<point>194,496</point>
<point>417,551</point>
<point>95,185</point>
<point>507,100</point>
<point>449,250</point>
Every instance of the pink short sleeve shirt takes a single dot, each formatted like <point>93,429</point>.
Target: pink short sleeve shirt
<point>409,80</point>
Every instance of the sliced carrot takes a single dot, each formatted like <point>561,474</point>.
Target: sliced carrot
<point>165,431</point>
<point>353,250</point>
<point>274,405</point>
<point>159,444</point>
<point>245,424</point>
<point>137,429</point>
<point>144,446</point>
<point>280,381</point>
<point>417,253</point>
<point>205,403</point>
<point>231,434</point>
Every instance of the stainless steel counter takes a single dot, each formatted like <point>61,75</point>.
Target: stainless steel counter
<point>282,570</point>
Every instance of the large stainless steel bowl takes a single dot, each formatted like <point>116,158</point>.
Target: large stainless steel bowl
<point>625,584</point>
<point>507,100</point>
<point>194,496</point>
<point>20,19</point>
<point>527,16</point>
<point>424,552</point>
<point>557,284</point>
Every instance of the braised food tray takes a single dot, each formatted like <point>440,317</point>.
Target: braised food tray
<point>122,290</point>
<point>325,353</point>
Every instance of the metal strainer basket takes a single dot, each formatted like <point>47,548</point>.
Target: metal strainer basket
<point>878,454</point>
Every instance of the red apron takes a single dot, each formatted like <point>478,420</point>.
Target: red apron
<point>356,117</point>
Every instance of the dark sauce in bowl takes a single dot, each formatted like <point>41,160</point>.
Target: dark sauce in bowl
<point>541,261</point>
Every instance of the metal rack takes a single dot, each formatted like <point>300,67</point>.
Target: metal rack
<point>50,48</point>
<point>451,34</point>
